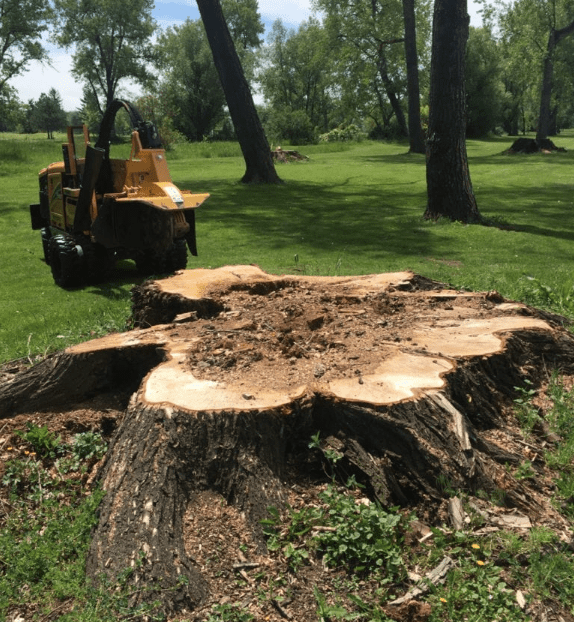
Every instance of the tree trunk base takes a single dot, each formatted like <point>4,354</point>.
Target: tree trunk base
<point>411,383</point>
<point>531,145</point>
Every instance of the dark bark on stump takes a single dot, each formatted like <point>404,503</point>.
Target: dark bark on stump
<point>449,188</point>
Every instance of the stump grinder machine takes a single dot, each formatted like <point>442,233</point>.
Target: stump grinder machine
<point>95,210</point>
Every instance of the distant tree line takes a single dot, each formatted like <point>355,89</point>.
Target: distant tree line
<point>342,76</point>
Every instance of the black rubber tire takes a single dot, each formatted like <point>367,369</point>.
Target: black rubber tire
<point>98,261</point>
<point>66,261</point>
<point>46,236</point>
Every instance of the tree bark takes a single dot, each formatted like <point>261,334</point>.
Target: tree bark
<point>416,138</point>
<point>407,380</point>
<point>391,94</point>
<point>547,73</point>
<point>449,188</point>
<point>254,146</point>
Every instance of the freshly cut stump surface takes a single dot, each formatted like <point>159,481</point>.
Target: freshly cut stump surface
<point>232,370</point>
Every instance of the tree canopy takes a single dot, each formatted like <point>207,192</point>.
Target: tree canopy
<point>519,66</point>
<point>22,23</point>
<point>47,113</point>
<point>111,42</point>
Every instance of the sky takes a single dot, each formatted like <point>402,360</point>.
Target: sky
<point>41,78</point>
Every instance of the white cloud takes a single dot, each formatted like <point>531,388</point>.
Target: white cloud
<point>291,12</point>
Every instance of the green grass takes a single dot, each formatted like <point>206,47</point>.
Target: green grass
<point>350,209</point>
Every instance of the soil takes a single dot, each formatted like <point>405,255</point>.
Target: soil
<point>298,335</point>
<point>292,336</point>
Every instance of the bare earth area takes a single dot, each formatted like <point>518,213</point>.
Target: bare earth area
<point>225,379</point>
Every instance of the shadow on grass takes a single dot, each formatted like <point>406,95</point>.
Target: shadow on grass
<point>537,212</point>
<point>325,217</point>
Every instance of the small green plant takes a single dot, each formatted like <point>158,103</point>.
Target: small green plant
<point>559,298</point>
<point>327,612</point>
<point>359,535</point>
<point>445,485</point>
<point>364,536</point>
<point>331,455</point>
<point>289,538</point>
<point>525,470</point>
<point>88,445</point>
<point>44,442</point>
<point>525,410</point>
<point>229,613</point>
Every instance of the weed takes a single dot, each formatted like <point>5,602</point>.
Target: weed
<point>327,612</point>
<point>299,523</point>
<point>88,445</point>
<point>559,298</point>
<point>524,470</point>
<point>363,537</point>
<point>445,485</point>
<point>44,442</point>
<point>332,456</point>
<point>474,591</point>
<point>228,613</point>
<point>526,412</point>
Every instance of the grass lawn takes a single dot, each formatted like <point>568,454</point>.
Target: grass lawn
<point>349,209</point>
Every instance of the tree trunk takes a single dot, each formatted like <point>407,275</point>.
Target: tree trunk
<point>548,70</point>
<point>546,91</point>
<point>416,138</point>
<point>248,128</point>
<point>391,94</point>
<point>449,187</point>
<point>236,369</point>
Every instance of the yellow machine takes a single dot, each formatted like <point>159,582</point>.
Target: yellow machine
<point>95,209</point>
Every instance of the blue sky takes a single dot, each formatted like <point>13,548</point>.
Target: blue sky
<point>40,79</point>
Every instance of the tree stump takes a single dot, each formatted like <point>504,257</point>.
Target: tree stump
<point>532,145</point>
<point>233,370</point>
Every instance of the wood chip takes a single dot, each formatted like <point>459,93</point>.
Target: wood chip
<point>434,577</point>
<point>520,599</point>
<point>456,513</point>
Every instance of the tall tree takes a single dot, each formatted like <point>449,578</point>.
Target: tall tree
<point>190,81</point>
<point>190,84</point>
<point>48,114</point>
<point>22,23</point>
<point>484,87</point>
<point>554,38</point>
<point>449,188</point>
<point>533,34</point>
<point>248,128</point>
<point>111,40</point>
<point>416,139</point>
<point>298,81</point>
<point>372,33</point>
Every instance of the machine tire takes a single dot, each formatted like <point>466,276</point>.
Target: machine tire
<point>66,262</point>
<point>176,256</point>
<point>46,236</point>
<point>99,261</point>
